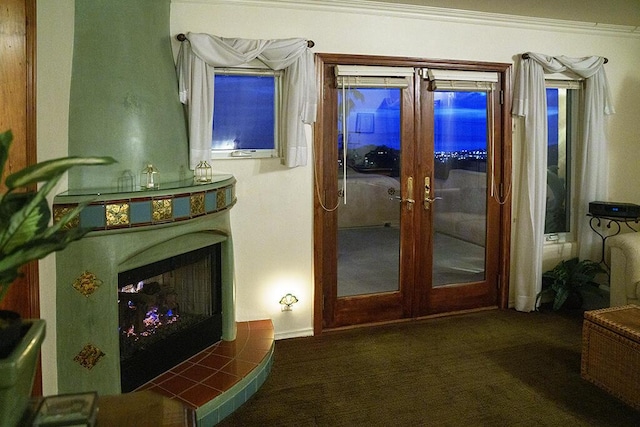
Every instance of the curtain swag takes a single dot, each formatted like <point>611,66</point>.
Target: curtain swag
<point>530,102</point>
<point>200,54</point>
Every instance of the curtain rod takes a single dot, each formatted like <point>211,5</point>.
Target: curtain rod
<point>526,56</point>
<point>181,37</point>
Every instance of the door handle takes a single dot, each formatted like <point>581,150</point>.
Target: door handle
<point>427,194</point>
<point>409,199</point>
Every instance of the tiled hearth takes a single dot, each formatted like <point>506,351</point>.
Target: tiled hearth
<point>219,379</point>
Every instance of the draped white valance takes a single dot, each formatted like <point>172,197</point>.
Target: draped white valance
<point>201,53</point>
<point>530,102</point>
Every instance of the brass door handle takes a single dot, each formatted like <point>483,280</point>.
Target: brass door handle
<point>428,201</point>
<point>427,194</point>
<point>409,199</point>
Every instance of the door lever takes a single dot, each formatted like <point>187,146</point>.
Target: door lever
<point>427,194</point>
<point>409,199</point>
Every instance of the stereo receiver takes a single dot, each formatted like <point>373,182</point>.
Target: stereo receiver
<point>614,209</point>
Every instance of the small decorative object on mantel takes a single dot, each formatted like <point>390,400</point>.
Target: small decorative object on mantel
<point>150,178</point>
<point>126,181</point>
<point>203,173</point>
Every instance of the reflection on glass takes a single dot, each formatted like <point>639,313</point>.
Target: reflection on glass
<point>460,213</point>
<point>369,184</point>
<point>557,210</point>
<point>243,112</point>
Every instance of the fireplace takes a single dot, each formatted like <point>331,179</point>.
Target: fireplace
<point>168,311</point>
<point>172,246</point>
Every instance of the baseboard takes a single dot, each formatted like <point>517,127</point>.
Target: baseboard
<point>306,332</point>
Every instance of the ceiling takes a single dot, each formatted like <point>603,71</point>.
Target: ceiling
<point>617,12</point>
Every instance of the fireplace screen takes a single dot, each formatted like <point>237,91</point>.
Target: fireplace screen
<point>168,311</point>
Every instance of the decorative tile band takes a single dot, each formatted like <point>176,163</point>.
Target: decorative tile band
<point>129,212</point>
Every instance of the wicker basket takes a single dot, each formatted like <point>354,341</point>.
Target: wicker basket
<point>611,351</point>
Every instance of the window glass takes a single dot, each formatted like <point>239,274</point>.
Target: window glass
<point>460,131</point>
<point>372,129</point>
<point>460,170</point>
<point>558,208</point>
<point>244,115</point>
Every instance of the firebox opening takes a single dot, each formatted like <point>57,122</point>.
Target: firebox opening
<point>168,311</point>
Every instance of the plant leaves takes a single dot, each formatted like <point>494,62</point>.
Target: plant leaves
<point>5,143</point>
<point>51,169</point>
<point>25,225</point>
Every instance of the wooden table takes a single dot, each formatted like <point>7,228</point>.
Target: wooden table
<point>143,408</point>
<point>137,409</point>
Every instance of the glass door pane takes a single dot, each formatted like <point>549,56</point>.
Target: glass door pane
<point>369,186</point>
<point>460,187</point>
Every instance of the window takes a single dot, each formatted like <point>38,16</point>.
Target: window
<point>245,113</point>
<point>562,98</point>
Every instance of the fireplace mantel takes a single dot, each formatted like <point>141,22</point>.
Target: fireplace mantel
<point>129,229</point>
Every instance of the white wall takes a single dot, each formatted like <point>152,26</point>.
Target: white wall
<point>273,220</point>
<point>54,53</point>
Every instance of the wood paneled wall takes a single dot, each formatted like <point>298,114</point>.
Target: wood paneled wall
<point>17,112</point>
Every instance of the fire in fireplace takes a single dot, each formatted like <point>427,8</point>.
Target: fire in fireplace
<point>168,311</point>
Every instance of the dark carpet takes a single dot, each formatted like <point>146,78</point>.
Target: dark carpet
<point>491,368</point>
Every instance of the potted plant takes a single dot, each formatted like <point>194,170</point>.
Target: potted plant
<point>567,281</point>
<point>25,235</point>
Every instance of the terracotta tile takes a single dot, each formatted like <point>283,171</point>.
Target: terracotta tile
<point>162,391</point>
<point>215,361</point>
<point>261,324</point>
<point>184,402</point>
<point>177,384</point>
<point>254,356</point>
<point>221,381</point>
<point>181,367</point>
<point>198,372</point>
<point>199,394</point>
<point>259,344</point>
<point>217,368</point>
<point>198,357</point>
<point>239,368</point>
<point>145,386</point>
<point>241,337</point>
<point>261,334</point>
<point>162,378</point>
<point>228,349</point>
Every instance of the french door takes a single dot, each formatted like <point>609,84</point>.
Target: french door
<point>411,213</point>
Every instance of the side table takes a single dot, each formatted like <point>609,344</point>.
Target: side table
<point>613,224</point>
<point>136,409</point>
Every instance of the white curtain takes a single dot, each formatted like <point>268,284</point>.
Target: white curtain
<point>530,102</point>
<point>201,53</point>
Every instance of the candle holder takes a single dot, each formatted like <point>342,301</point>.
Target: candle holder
<point>150,178</point>
<point>203,173</point>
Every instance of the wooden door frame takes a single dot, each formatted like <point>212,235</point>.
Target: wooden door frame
<point>325,172</point>
<point>19,115</point>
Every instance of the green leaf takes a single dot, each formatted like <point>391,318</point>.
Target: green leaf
<point>25,234</point>
<point>561,296</point>
<point>5,143</point>
<point>25,225</point>
<point>51,169</point>
<point>36,249</point>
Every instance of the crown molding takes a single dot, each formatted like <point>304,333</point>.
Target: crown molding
<point>435,14</point>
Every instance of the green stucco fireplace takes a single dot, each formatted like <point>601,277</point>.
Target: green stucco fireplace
<point>130,230</point>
